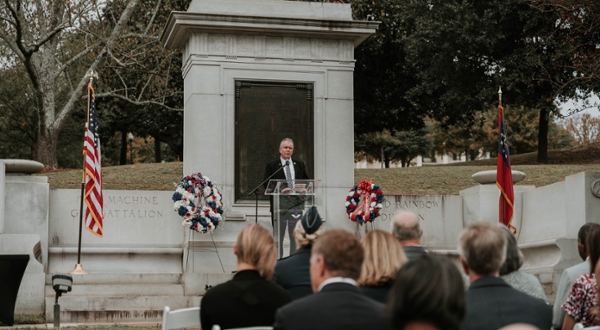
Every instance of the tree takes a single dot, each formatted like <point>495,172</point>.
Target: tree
<point>583,128</point>
<point>389,147</point>
<point>57,41</point>
<point>382,75</point>
<point>463,50</point>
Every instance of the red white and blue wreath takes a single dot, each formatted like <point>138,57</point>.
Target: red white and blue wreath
<point>367,209</point>
<point>199,202</point>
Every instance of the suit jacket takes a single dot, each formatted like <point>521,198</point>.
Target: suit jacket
<point>292,273</point>
<point>272,167</point>
<point>247,300</point>
<point>413,251</point>
<point>337,306</point>
<point>378,293</point>
<point>492,304</point>
<point>567,279</point>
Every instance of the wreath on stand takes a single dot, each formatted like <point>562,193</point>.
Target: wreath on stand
<point>199,202</point>
<point>367,209</point>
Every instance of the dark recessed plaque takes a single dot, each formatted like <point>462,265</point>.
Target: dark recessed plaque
<point>266,113</point>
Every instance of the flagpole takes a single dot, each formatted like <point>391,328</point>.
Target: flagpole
<point>79,267</point>
<point>500,204</point>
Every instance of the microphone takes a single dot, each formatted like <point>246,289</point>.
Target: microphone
<point>287,163</point>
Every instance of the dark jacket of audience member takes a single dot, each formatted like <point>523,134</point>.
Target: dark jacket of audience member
<point>250,298</point>
<point>337,304</point>
<point>292,273</point>
<point>383,258</point>
<point>491,303</point>
<point>429,290</point>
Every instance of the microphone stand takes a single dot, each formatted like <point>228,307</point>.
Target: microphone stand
<point>255,191</point>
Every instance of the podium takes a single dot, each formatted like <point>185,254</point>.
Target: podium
<point>288,205</point>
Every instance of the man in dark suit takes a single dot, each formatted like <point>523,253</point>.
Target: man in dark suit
<point>290,207</point>
<point>491,303</point>
<point>335,265</point>
<point>407,230</point>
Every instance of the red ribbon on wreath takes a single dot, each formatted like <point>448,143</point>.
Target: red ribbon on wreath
<point>365,190</point>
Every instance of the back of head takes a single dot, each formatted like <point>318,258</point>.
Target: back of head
<point>383,257</point>
<point>585,231</point>
<point>593,244</point>
<point>341,252</point>
<point>514,256</point>
<point>482,245</point>
<point>304,239</point>
<point>405,226</point>
<point>428,289</point>
<point>255,246</point>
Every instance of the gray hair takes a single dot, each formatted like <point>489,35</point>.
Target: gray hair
<point>482,245</point>
<point>405,226</point>
<point>514,256</point>
<point>286,140</point>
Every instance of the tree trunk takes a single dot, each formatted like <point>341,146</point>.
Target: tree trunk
<point>123,154</point>
<point>542,156</point>
<point>46,149</point>
<point>387,160</point>
<point>157,153</point>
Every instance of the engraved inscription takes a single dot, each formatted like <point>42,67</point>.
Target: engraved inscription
<point>331,49</point>
<point>302,47</point>
<point>116,207</point>
<point>274,46</point>
<point>216,44</point>
<point>245,45</point>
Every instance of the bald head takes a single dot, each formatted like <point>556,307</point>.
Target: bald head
<point>405,226</point>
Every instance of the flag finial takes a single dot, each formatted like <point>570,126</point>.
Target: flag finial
<point>500,95</point>
<point>92,75</point>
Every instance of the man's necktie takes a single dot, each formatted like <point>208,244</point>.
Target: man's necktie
<point>288,175</point>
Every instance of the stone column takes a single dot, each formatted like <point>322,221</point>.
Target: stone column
<point>2,175</point>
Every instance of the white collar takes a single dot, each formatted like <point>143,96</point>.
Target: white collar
<point>283,161</point>
<point>336,279</point>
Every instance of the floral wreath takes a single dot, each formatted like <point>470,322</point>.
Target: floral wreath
<point>206,216</point>
<point>367,209</point>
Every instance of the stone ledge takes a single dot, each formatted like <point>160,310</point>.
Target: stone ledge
<point>108,250</point>
<point>22,166</point>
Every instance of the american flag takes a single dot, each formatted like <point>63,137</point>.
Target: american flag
<point>94,212</point>
<point>504,175</point>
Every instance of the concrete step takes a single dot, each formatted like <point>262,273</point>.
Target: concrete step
<point>122,278</point>
<point>116,309</point>
<point>114,290</point>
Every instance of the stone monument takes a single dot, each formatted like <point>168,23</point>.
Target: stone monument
<point>284,68</point>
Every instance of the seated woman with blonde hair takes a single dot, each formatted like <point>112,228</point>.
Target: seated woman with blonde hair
<point>250,298</point>
<point>292,273</point>
<point>383,258</point>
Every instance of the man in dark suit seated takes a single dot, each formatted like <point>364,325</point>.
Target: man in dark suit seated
<point>290,208</point>
<point>407,230</point>
<point>491,303</point>
<point>335,265</point>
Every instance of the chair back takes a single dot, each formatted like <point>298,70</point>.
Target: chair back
<point>181,318</point>
<point>217,327</point>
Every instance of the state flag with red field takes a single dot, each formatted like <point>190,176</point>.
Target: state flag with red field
<point>504,175</point>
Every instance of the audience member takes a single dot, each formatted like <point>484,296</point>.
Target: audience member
<point>292,273</point>
<point>428,295</point>
<point>250,298</point>
<point>582,300</point>
<point>511,274</point>
<point>383,258</point>
<point>407,230</point>
<point>491,303</point>
<point>335,262</point>
<point>570,274</point>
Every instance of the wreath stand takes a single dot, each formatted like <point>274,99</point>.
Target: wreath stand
<point>190,249</point>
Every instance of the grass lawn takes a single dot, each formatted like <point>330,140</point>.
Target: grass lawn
<point>426,180</point>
